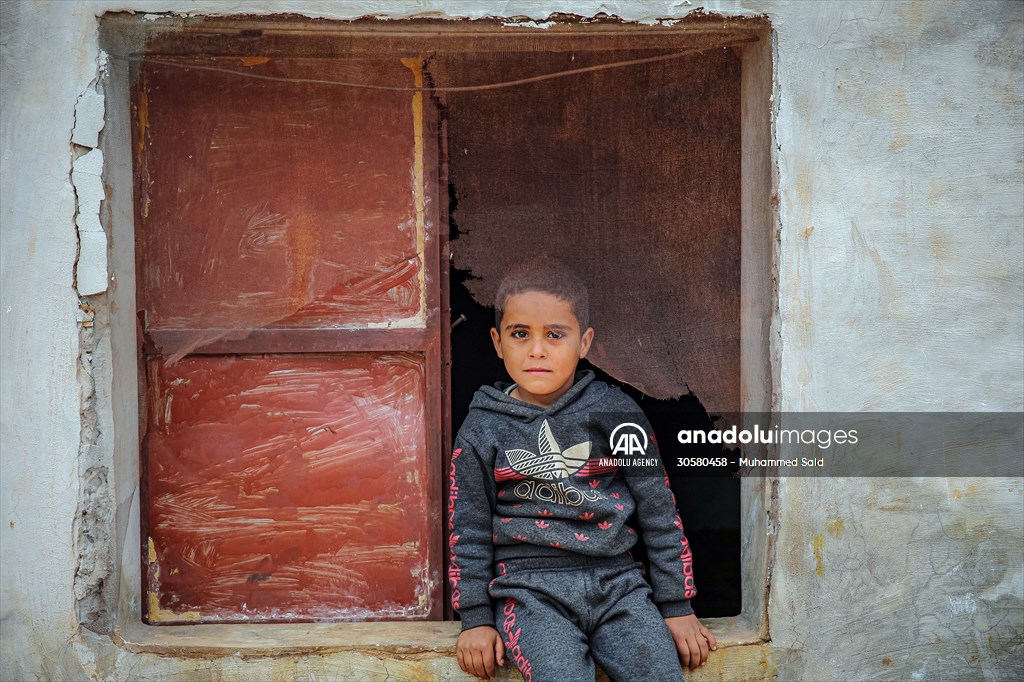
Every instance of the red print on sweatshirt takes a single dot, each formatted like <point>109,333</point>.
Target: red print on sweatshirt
<point>454,573</point>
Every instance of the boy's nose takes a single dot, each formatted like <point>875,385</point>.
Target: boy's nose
<point>537,349</point>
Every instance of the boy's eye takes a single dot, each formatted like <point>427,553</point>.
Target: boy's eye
<point>524,334</point>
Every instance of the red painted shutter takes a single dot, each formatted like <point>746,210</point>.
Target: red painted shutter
<point>287,275</point>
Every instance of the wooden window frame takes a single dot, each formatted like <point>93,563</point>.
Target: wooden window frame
<point>124,35</point>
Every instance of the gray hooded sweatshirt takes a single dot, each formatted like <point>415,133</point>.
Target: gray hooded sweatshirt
<point>527,481</point>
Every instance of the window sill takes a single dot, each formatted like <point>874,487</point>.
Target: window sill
<point>378,639</point>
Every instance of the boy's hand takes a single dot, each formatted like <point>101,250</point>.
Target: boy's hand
<point>478,648</point>
<point>692,640</point>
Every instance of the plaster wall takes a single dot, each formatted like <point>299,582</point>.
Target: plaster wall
<point>899,142</point>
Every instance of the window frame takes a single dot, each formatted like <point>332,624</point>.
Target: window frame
<point>122,34</point>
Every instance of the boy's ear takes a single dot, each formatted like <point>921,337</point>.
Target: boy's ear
<point>496,338</point>
<point>588,338</point>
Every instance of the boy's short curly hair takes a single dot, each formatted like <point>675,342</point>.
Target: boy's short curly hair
<point>549,276</point>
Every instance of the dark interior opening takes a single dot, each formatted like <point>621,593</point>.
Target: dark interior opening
<point>631,175</point>
<point>709,505</point>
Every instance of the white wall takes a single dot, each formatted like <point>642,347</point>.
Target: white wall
<point>900,145</point>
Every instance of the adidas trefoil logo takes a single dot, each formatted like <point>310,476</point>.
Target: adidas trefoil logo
<point>552,462</point>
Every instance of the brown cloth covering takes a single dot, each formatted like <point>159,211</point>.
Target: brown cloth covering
<point>632,176</point>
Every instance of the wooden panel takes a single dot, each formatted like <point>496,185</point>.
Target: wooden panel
<point>290,487</point>
<point>267,199</point>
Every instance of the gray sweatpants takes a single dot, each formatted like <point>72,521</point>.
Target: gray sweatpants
<point>557,615</point>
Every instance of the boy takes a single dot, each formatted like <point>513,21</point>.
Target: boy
<point>540,569</point>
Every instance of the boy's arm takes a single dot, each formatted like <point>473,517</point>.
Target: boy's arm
<point>470,501</point>
<point>671,562</point>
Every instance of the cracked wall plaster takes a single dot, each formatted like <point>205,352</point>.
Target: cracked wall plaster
<point>93,523</point>
<point>87,178</point>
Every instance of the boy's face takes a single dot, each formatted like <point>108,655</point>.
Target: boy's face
<point>540,341</point>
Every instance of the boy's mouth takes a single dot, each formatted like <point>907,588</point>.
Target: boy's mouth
<point>538,370</point>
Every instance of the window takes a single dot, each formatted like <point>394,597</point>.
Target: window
<point>214,325</point>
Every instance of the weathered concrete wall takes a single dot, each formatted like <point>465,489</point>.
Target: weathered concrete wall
<point>900,161</point>
<point>900,290</point>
